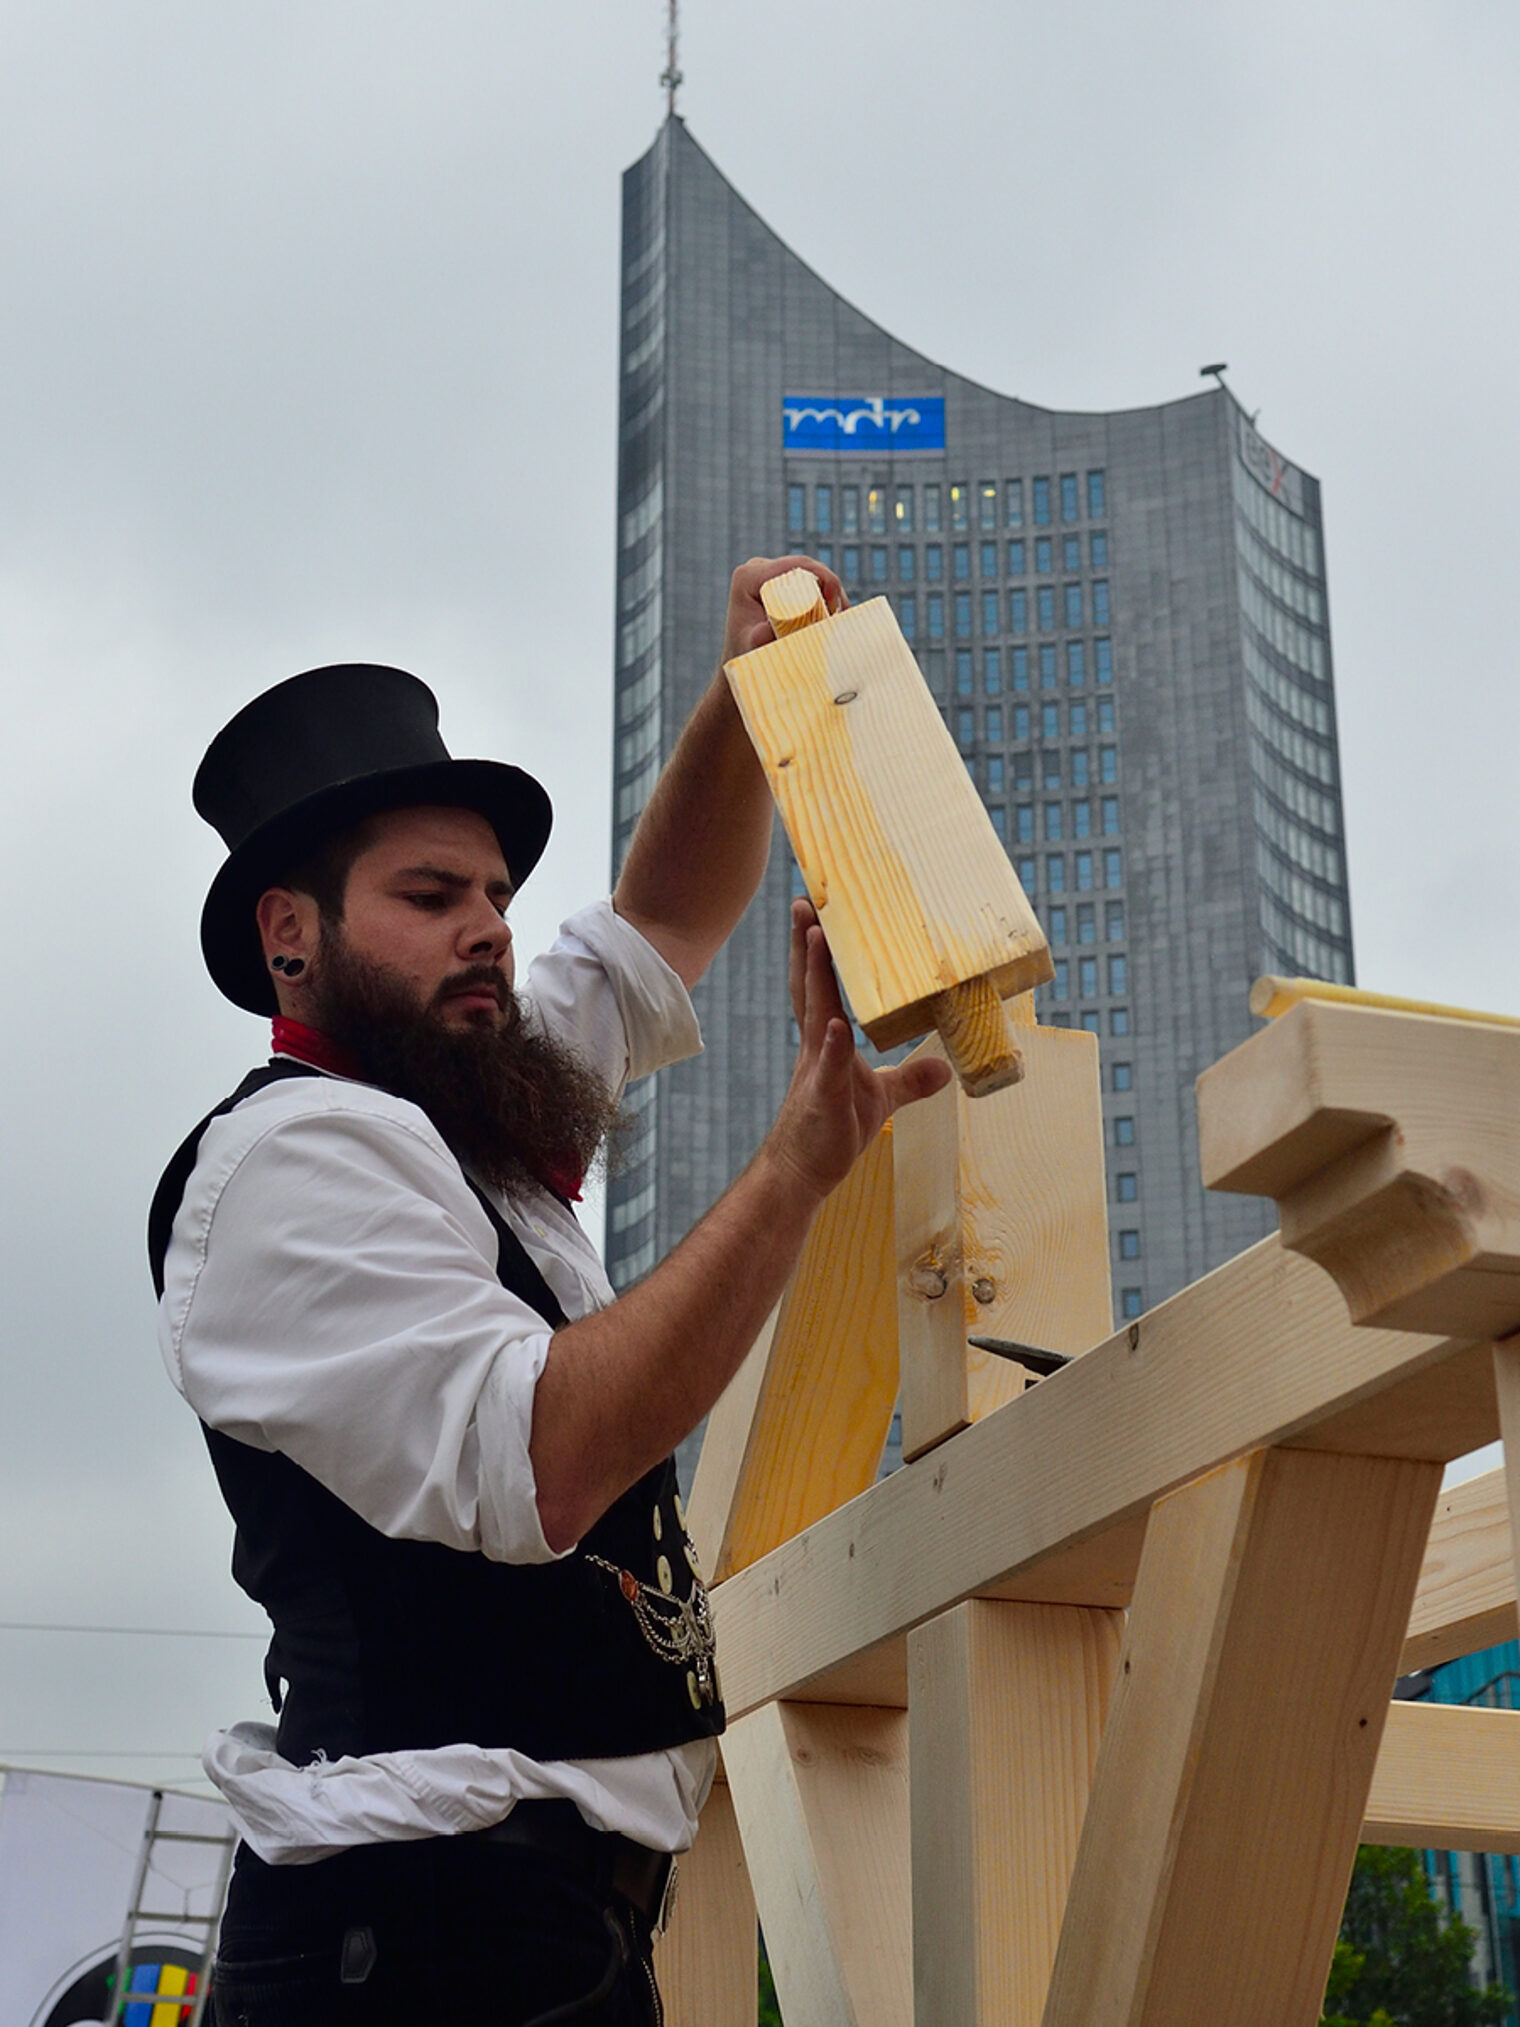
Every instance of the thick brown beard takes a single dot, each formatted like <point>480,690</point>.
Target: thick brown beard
<point>515,1105</point>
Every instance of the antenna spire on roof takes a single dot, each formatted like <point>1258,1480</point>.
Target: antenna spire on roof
<point>670,76</point>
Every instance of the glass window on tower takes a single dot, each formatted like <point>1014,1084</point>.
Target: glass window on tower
<point>907,614</point>
<point>934,562</point>
<point>876,510</point>
<point>1108,761</point>
<point>1071,552</point>
<point>1079,767</point>
<point>1042,556</point>
<point>936,608</point>
<point>1048,666</point>
<point>964,684</point>
<point>1076,663</point>
<point>992,672</point>
<point>1087,973</point>
<point>1118,974</point>
<point>1131,1303</point>
<point>904,510</point>
<point>1103,663</point>
<point>826,555</point>
<point>999,817</point>
<point>1073,593</point>
<point>990,613</point>
<point>1127,1188</point>
<point>1056,925</point>
<point>1023,770</point>
<point>1042,503</point>
<point>1018,611</point>
<point>1016,558</point>
<point>1068,496</point>
<point>1027,875</point>
<point>994,761</point>
<point>962,615</point>
<point>1050,721</point>
<point>1113,869</point>
<point>1050,773</point>
<point>1129,1244</point>
<point>1099,549</point>
<point>1053,824</point>
<point>1092,1021</point>
<point>986,504</point>
<point>1086,928</point>
<point>906,563</point>
<point>1025,817</point>
<point>796,509</point>
<point>989,559</point>
<point>878,563</point>
<point>962,553</point>
<point>931,510</point>
<point>965,728</point>
<point>1081,819</point>
<point>1113,921</point>
<point>1100,601</point>
<point>849,510</point>
<point>1122,1077</point>
<point>960,508</point>
<point>823,509</point>
<point>1110,815</point>
<point>851,565</point>
<point>1013,503</point>
<point>1055,873</point>
<point>1084,872</point>
<point>1018,668</point>
<point>1078,714</point>
<point>1021,721</point>
<point>1118,1021</point>
<point>1095,491</point>
<point>1105,714</point>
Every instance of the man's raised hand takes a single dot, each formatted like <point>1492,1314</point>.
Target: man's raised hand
<point>747,626</point>
<point>836,1104</point>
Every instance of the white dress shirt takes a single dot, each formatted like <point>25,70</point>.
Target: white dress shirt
<point>331,1293</point>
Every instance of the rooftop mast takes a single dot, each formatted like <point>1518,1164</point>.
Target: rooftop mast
<point>670,76</point>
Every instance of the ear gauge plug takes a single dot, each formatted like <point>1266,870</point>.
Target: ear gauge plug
<point>288,967</point>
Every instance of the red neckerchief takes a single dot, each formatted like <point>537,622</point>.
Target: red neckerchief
<point>310,1045</point>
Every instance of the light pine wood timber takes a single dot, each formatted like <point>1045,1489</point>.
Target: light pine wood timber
<point>803,1427</point>
<point>1391,1142</point>
<point>1006,1709</point>
<point>1507,1393</point>
<point>707,1961</point>
<point>1234,1772</point>
<point>978,1041</point>
<point>792,600</point>
<point>821,1794</point>
<point>1272,996</point>
<point>913,889</point>
<point>1046,1498</point>
<point>1466,1597</point>
<point>1447,1778</point>
<point>1002,1231</point>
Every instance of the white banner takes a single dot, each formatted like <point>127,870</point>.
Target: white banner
<point>69,1852</point>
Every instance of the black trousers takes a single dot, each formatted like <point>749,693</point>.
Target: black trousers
<point>440,1930</point>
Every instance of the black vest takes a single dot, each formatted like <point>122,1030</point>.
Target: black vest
<point>381,1645</point>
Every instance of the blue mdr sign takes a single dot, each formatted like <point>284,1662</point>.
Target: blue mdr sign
<point>863,422</point>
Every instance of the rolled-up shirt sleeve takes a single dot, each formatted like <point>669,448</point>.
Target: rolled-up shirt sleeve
<point>607,992</point>
<point>331,1294</point>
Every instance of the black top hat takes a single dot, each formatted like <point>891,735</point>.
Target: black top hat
<point>312,757</point>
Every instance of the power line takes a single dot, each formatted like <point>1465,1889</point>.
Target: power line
<point>147,1632</point>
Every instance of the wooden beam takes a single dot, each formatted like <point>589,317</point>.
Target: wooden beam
<point>803,1426</point>
<point>1047,1498</point>
<point>915,892</point>
<point>822,1800</point>
<point>1466,1597</point>
<point>1002,1231</point>
<point>707,1961</point>
<point>1447,1778</point>
<point>1006,1711</point>
<point>1391,1142</point>
<point>1233,1777</point>
<point>793,600</point>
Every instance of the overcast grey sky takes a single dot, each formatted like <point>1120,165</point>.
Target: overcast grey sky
<point>308,352</point>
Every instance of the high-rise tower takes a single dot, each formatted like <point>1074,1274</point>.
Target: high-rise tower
<point>1123,617</point>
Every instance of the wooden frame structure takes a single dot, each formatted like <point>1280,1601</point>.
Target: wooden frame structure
<point>1079,1716</point>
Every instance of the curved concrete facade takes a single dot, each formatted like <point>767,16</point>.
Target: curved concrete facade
<point>1123,617</point>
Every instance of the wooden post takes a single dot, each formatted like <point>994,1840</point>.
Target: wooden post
<point>1235,1770</point>
<point>1002,1231</point>
<point>821,1793</point>
<point>707,1961</point>
<point>1006,1708</point>
<point>803,1426</point>
<point>926,920</point>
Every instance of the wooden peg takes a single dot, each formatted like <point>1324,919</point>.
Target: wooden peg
<point>977,1038</point>
<point>793,600</point>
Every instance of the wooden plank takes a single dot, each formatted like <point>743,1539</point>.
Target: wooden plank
<point>707,1961</point>
<point>1271,996</point>
<point>821,1794</point>
<point>1047,1497</point>
<point>1233,1777</point>
<point>1391,1142</point>
<point>1447,1778</point>
<point>792,600</point>
<point>1002,1231</point>
<point>803,1427</point>
<point>911,884</point>
<point>1466,1596</point>
<point>1006,1711</point>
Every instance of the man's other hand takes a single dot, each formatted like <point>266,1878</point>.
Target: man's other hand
<point>837,1104</point>
<point>747,626</point>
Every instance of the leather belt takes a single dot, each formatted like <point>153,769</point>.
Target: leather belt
<point>645,1879</point>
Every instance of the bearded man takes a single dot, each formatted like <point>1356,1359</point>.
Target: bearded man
<point>446,1447</point>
